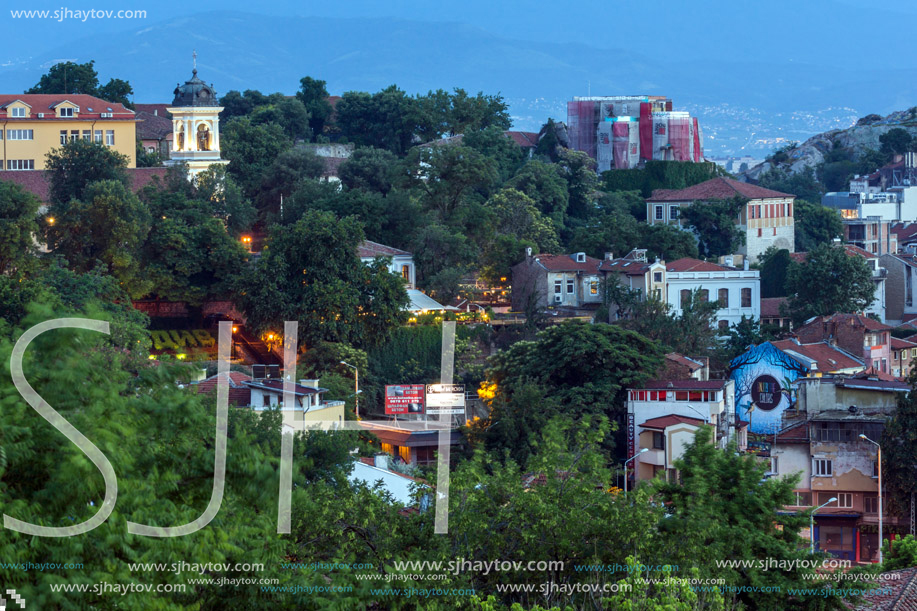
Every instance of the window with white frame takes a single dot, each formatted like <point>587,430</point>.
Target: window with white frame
<point>558,287</point>
<point>594,287</point>
<point>659,213</point>
<point>657,276</point>
<point>20,164</point>
<point>803,499</point>
<point>66,112</point>
<point>871,503</point>
<point>97,136</point>
<point>845,500</point>
<point>20,134</point>
<point>63,136</point>
<point>822,467</point>
<point>110,137</point>
<point>673,212</point>
<point>571,287</point>
<point>18,112</point>
<point>87,135</point>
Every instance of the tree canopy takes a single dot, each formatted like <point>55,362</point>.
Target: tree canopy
<point>829,281</point>
<point>70,77</point>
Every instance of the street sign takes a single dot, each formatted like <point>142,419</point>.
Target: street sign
<point>446,399</point>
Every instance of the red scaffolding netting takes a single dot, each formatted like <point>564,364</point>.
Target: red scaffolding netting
<point>680,137</point>
<point>698,141</point>
<point>581,126</point>
<point>646,131</point>
<point>621,144</point>
<point>661,148</point>
<point>604,153</point>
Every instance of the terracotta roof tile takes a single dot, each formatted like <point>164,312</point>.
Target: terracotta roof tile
<point>691,364</point>
<point>568,263</point>
<point>368,249</point>
<point>716,188</point>
<point>153,127</point>
<point>158,110</point>
<point>770,307</point>
<point>827,357</point>
<point>45,103</point>
<point>36,181</point>
<point>856,320</point>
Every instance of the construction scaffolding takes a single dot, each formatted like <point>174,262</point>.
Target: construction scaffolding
<point>581,126</point>
<point>698,142</point>
<point>605,154</point>
<point>680,136</point>
<point>626,143</point>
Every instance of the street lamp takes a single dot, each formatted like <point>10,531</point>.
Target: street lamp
<point>356,379</point>
<point>812,524</point>
<point>642,450</point>
<point>879,460</point>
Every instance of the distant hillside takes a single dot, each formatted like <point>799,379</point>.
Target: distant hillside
<point>850,144</point>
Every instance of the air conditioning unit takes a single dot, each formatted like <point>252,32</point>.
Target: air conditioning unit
<point>107,115</point>
<point>41,115</point>
<point>558,298</point>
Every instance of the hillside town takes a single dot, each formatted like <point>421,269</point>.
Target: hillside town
<point>587,345</point>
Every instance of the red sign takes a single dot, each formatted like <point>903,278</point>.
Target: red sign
<point>404,399</point>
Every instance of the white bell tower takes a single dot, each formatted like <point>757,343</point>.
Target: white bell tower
<point>195,125</point>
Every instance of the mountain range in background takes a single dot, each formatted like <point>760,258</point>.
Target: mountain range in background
<point>745,107</point>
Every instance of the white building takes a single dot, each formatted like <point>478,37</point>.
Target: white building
<point>766,216</point>
<point>738,291</point>
<point>401,261</point>
<point>663,417</point>
<point>195,126</point>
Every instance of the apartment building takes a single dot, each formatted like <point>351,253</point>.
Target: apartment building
<point>35,124</point>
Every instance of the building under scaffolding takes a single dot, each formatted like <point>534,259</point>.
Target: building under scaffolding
<point>621,131</point>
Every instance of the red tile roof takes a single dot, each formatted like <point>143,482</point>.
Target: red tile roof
<point>153,127</point>
<point>36,181</point>
<point>716,188</point>
<point>568,263</point>
<point>796,433</point>
<point>684,385</point>
<point>684,361</point>
<point>770,307</point>
<point>368,249</point>
<point>46,103</point>
<point>898,344</point>
<point>239,393</point>
<point>905,232</point>
<point>853,249</point>
<point>855,320</point>
<point>663,422</point>
<point>158,110</point>
<point>628,267</point>
<point>898,592</point>
<point>827,357</point>
<point>688,264</point>
<point>277,386</point>
<point>523,139</point>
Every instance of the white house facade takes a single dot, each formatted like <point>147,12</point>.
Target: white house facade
<point>738,291</point>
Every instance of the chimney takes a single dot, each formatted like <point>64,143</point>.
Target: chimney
<point>382,461</point>
<point>609,256</point>
<point>309,383</point>
<point>745,265</point>
<point>528,251</point>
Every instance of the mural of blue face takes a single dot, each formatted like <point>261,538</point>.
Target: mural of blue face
<point>764,379</point>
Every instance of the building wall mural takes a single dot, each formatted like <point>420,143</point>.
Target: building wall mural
<point>764,390</point>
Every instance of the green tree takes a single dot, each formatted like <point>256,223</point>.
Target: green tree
<point>774,267</point>
<point>899,451</point>
<point>382,120</point>
<point>188,254</point>
<point>309,271</point>
<point>815,224</point>
<point>289,114</point>
<point>715,223</point>
<point>70,77</point>
<point>493,143</point>
<point>579,171</point>
<point>437,248</point>
<point>747,332</point>
<point>369,169</point>
<point>282,177</point>
<point>109,224</point>
<point>251,149</point>
<point>146,159</point>
<point>544,183</point>
<point>477,113</point>
<point>667,243</point>
<point>722,508</point>
<point>667,592</point>
<point>236,104</point>
<point>896,141</point>
<point>314,96</point>
<point>573,369</point>
<point>899,554</point>
<point>222,197</point>
<point>18,228</point>
<point>802,184</point>
<point>446,176</point>
<point>79,163</point>
<point>829,281</point>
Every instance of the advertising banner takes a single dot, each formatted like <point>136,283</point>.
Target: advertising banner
<point>445,399</point>
<point>404,399</point>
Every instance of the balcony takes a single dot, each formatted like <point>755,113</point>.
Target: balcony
<point>653,457</point>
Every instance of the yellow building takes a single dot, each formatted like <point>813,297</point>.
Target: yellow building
<point>35,124</point>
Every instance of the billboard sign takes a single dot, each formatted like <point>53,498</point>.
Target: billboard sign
<point>446,399</point>
<point>404,399</point>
